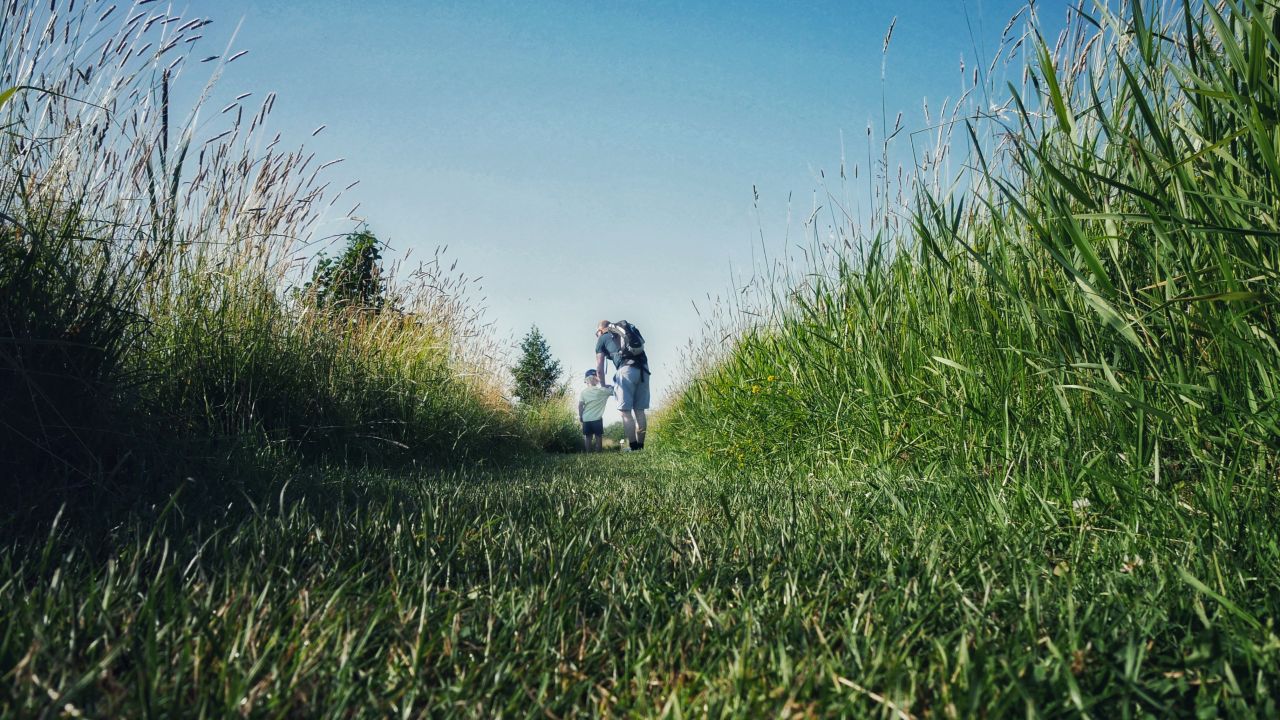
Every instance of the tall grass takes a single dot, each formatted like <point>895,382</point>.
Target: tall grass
<point>1100,290</point>
<point>147,260</point>
<point>1087,319</point>
<point>1018,457</point>
<point>552,424</point>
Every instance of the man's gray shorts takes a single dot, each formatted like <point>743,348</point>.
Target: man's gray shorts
<point>632,388</point>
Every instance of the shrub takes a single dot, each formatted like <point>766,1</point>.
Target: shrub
<point>615,431</point>
<point>551,425</point>
<point>537,374</point>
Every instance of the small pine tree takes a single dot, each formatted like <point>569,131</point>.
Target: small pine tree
<point>353,279</point>
<point>538,373</point>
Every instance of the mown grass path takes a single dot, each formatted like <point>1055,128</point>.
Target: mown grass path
<point>634,585</point>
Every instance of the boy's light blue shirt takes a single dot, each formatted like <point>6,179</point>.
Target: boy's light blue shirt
<point>593,400</point>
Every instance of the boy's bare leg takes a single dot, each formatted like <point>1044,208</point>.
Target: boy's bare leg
<point>642,425</point>
<point>597,443</point>
<point>586,443</point>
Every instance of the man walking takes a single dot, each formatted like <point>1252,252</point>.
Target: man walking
<point>632,377</point>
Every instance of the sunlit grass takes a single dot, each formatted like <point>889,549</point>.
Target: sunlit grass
<point>1087,320</point>
<point>629,585</point>
<point>1099,295</point>
<point>1015,455</point>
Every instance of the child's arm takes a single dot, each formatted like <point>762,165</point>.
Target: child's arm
<point>580,405</point>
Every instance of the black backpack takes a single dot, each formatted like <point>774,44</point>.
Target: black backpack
<point>630,341</point>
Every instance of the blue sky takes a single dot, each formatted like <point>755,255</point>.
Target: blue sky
<point>595,160</point>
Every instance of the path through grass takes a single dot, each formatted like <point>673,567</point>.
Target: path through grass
<point>634,585</point>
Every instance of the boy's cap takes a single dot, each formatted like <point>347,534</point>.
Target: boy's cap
<point>590,373</point>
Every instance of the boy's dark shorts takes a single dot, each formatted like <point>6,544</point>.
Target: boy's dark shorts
<point>593,427</point>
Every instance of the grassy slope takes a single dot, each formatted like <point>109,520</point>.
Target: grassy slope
<point>152,319</point>
<point>630,584</point>
<point>1088,321</point>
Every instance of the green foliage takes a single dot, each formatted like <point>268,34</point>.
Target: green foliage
<point>353,280</point>
<point>615,431</point>
<point>67,324</point>
<point>1081,335</point>
<point>1103,298</point>
<point>147,340</point>
<point>537,375</point>
<point>624,585</point>
<point>377,387</point>
<point>550,425</point>
<point>1019,458</point>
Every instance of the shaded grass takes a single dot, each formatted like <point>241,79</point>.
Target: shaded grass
<point>153,324</point>
<point>630,585</point>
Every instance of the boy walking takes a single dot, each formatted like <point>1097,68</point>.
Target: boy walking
<point>591,403</point>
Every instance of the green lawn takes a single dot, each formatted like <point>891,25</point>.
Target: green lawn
<point>635,585</point>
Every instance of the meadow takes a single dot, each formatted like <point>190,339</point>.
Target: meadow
<point>632,585</point>
<point>1009,446</point>
<point>1085,319</point>
<point>168,310</point>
